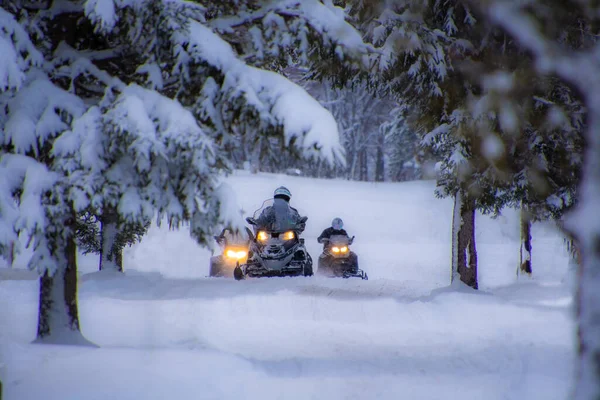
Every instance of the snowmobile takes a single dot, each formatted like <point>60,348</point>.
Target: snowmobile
<point>338,261</point>
<point>275,247</point>
<point>235,250</point>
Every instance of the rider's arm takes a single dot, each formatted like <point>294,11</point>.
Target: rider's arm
<point>324,234</point>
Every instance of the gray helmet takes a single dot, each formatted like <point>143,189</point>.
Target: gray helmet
<point>337,223</point>
<point>283,193</point>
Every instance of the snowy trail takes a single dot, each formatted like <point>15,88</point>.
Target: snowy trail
<point>167,331</point>
<point>300,338</point>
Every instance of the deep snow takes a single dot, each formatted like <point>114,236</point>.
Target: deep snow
<point>167,331</point>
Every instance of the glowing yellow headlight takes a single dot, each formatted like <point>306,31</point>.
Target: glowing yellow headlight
<point>335,249</point>
<point>289,235</point>
<point>344,249</point>
<point>262,236</point>
<point>236,254</point>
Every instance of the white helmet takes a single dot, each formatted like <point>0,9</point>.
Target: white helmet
<point>282,192</point>
<point>337,223</point>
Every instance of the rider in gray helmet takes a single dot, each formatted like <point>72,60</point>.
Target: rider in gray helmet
<point>280,209</point>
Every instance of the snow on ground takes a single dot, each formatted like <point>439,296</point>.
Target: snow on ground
<point>165,330</point>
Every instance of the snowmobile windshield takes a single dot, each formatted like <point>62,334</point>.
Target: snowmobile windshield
<point>277,217</point>
<point>232,238</point>
<point>339,240</point>
<point>266,204</point>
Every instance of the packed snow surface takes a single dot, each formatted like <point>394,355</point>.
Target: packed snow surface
<point>165,330</point>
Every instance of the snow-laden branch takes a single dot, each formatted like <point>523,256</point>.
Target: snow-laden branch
<point>35,115</point>
<point>326,19</point>
<point>303,119</point>
<point>79,64</point>
<point>17,52</point>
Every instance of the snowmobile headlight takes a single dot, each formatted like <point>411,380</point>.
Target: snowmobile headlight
<point>335,249</point>
<point>289,235</point>
<point>262,236</point>
<point>236,254</point>
<point>344,249</point>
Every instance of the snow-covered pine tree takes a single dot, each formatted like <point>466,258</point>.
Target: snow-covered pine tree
<point>35,195</point>
<point>273,35</point>
<point>547,167</point>
<point>89,233</point>
<point>532,145</point>
<point>418,43</point>
<point>101,103</point>
<point>141,153</point>
<point>438,58</point>
<point>575,65</point>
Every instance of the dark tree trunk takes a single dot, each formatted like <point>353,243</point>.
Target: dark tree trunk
<point>111,256</point>
<point>70,290</point>
<point>118,258</point>
<point>58,318</point>
<point>380,165</point>
<point>464,251</point>
<point>351,161</point>
<point>11,260</point>
<point>525,254</point>
<point>363,165</point>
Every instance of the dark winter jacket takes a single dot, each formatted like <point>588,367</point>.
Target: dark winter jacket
<point>280,216</point>
<point>329,232</point>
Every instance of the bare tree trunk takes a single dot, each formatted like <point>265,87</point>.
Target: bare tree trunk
<point>11,261</point>
<point>109,228</point>
<point>255,158</point>
<point>364,167</point>
<point>354,157</point>
<point>456,225</point>
<point>464,251</point>
<point>525,252</point>
<point>380,165</point>
<point>58,317</point>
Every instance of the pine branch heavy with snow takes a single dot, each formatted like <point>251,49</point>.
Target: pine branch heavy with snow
<point>119,109</point>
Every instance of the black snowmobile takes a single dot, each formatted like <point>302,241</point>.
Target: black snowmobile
<point>235,250</point>
<point>338,261</point>
<point>275,246</point>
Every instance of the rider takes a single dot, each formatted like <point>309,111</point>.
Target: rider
<point>228,236</point>
<point>280,209</point>
<point>336,228</point>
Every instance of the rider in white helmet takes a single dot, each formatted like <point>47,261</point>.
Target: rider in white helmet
<point>336,228</point>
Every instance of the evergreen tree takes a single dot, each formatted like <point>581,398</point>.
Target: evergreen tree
<point>472,91</point>
<point>571,55</point>
<point>417,43</point>
<point>89,239</point>
<point>120,110</point>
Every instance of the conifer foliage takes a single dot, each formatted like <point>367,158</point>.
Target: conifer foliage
<point>122,111</point>
<point>504,134</point>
